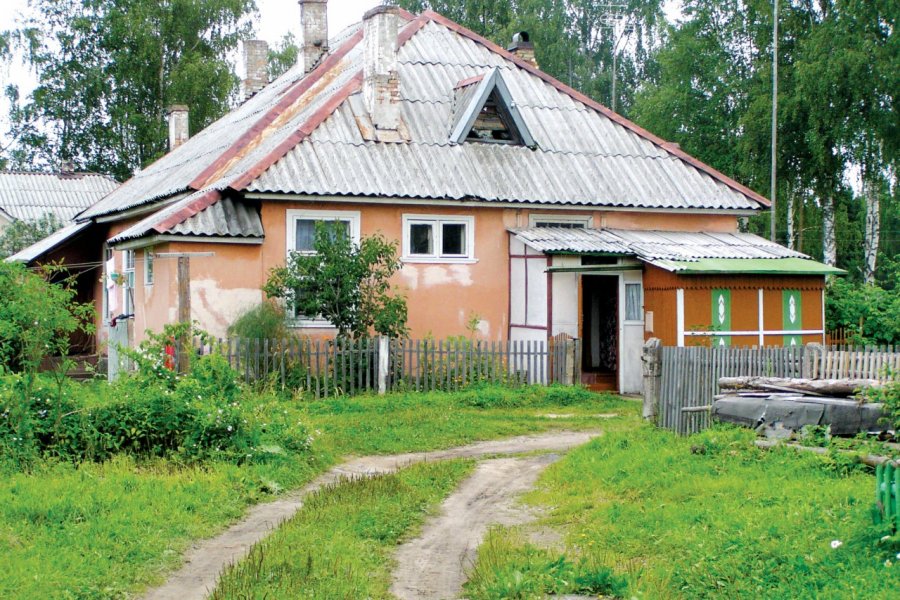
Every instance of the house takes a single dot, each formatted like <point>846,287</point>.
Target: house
<point>29,196</point>
<point>516,200</point>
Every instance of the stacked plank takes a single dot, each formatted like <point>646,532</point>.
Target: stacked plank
<point>789,404</point>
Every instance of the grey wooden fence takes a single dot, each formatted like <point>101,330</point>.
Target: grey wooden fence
<point>689,376</point>
<point>837,362</point>
<point>327,368</point>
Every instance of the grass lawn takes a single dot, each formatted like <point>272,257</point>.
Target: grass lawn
<point>340,544</point>
<point>106,530</point>
<point>709,516</point>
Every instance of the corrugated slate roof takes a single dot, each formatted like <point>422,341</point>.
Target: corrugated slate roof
<point>301,135</point>
<point>670,250</point>
<point>29,196</point>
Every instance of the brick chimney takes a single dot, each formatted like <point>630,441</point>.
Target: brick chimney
<point>178,126</point>
<point>381,83</point>
<point>313,33</point>
<point>256,67</point>
<point>523,48</point>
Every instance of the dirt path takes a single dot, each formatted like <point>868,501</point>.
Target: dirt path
<point>205,560</point>
<point>432,566</point>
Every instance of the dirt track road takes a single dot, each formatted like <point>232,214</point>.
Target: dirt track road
<point>206,560</point>
<point>433,566</point>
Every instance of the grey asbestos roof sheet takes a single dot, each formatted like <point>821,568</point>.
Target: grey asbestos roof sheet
<point>584,156</point>
<point>227,217</point>
<point>29,196</point>
<point>652,246</point>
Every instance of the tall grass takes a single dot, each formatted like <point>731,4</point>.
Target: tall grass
<point>340,544</point>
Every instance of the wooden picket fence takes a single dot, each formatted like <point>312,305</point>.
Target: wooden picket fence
<point>838,362</point>
<point>332,367</point>
<point>689,376</point>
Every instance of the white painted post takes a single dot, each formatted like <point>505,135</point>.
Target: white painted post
<point>761,319</point>
<point>679,316</point>
<point>383,364</point>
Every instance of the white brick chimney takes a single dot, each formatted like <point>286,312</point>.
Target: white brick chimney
<point>313,33</point>
<point>381,83</point>
<point>523,48</point>
<point>256,66</point>
<point>179,130</point>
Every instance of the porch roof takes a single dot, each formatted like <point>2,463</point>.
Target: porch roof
<point>682,252</point>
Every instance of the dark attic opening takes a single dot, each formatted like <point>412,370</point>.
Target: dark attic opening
<point>494,123</point>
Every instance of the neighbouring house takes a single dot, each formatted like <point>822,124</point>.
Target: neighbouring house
<point>29,196</point>
<point>514,198</point>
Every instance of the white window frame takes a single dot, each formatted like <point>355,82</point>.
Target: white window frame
<point>586,220</point>
<point>129,261</point>
<point>148,267</point>
<point>437,221</point>
<point>291,217</point>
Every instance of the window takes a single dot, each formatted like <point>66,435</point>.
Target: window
<point>148,266</point>
<point>560,221</point>
<point>438,238</point>
<point>301,236</point>
<point>128,288</point>
<point>301,227</point>
<point>633,302</point>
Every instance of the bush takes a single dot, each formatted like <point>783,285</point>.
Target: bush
<point>200,416</point>
<point>849,304</point>
<point>265,321</point>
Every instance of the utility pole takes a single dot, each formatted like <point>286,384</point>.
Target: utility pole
<point>184,312</point>
<point>183,275</point>
<point>774,175</point>
<point>612,15</point>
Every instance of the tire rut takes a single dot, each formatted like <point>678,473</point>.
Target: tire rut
<point>204,561</point>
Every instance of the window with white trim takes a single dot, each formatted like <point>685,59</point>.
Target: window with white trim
<point>301,237</point>
<point>128,288</point>
<point>148,266</point>
<point>633,304</point>
<point>430,238</point>
<point>561,221</point>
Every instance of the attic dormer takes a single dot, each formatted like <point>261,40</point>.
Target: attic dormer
<point>484,112</point>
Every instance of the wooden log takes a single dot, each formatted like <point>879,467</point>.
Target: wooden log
<point>818,387</point>
<point>871,460</point>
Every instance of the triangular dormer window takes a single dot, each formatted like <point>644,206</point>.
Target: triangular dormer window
<point>484,111</point>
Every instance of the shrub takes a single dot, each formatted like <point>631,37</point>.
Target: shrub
<point>849,304</point>
<point>198,417</point>
<point>265,321</point>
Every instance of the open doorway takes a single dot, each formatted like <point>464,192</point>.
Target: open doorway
<point>600,331</point>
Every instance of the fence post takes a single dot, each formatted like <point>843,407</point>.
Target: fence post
<point>811,355</point>
<point>651,357</point>
<point>384,353</point>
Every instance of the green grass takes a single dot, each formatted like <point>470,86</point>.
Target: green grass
<point>413,422</point>
<point>111,529</point>
<point>340,544</point>
<point>710,516</point>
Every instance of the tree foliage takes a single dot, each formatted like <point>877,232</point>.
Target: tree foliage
<point>20,234</point>
<point>108,69</point>
<point>36,317</point>
<point>345,283</point>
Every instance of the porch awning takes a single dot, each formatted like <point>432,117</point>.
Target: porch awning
<point>749,266</point>
<point>49,243</point>
<point>682,252</point>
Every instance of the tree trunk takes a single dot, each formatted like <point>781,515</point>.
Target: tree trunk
<point>789,197</point>
<point>829,242</point>
<point>827,387</point>
<point>873,225</point>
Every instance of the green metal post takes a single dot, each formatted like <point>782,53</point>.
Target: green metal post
<point>896,490</point>
<point>879,476</point>
<point>886,491</point>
